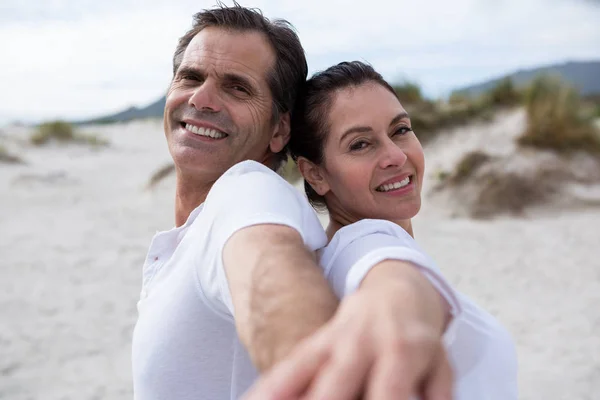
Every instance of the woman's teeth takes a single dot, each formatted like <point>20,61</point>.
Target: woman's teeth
<point>204,132</point>
<point>394,186</point>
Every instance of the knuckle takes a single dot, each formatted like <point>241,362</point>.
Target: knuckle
<point>413,339</point>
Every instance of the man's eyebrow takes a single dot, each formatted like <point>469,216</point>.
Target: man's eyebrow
<point>365,129</point>
<point>236,78</point>
<point>190,71</point>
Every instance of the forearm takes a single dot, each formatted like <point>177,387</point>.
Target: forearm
<point>402,283</point>
<point>280,296</point>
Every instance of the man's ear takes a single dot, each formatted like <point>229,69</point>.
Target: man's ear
<point>281,133</point>
<point>313,175</point>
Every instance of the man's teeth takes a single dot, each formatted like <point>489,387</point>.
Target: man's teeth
<point>394,186</point>
<point>204,131</point>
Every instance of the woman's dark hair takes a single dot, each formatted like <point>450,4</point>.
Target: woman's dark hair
<point>310,119</point>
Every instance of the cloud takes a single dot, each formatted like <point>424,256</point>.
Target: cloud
<point>74,58</point>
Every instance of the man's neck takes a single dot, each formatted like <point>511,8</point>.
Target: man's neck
<point>192,190</point>
<point>189,194</point>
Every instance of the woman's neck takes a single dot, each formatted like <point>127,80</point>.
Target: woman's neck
<point>336,223</point>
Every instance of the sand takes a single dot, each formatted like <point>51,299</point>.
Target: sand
<point>75,224</point>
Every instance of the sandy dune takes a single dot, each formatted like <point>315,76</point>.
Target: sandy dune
<point>75,224</point>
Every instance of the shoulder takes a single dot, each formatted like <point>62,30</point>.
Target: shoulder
<point>364,236</point>
<point>249,193</point>
<point>250,178</point>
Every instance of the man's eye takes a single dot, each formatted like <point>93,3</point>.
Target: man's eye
<point>240,89</point>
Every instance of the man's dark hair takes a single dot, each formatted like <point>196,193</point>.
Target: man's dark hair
<point>290,70</point>
<point>310,121</point>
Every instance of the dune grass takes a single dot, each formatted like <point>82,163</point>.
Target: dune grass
<point>409,92</point>
<point>160,174</point>
<point>467,166</point>
<point>428,117</point>
<point>289,171</point>
<point>63,132</point>
<point>502,192</point>
<point>7,157</point>
<point>504,94</point>
<point>557,119</point>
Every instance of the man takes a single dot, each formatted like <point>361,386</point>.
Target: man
<point>235,286</point>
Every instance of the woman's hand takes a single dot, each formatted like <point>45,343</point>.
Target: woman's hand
<point>384,342</point>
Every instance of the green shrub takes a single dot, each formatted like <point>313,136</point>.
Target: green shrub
<point>8,158</point>
<point>57,130</point>
<point>502,192</point>
<point>467,166</point>
<point>289,171</point>
<point>160,174</point>
<point>63,132</point>
<point>555,119</point>
<point>504,94</point>
<point>409,93</point>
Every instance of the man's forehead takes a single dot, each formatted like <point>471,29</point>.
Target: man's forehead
<point>216,47</point>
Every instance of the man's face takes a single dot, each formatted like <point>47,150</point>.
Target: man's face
<point>219,106</point>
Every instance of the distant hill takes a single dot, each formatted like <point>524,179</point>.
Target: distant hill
<point>584,76</point>
<point>154,110</point>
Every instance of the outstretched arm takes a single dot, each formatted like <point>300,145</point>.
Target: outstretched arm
<point>279,293</point>
<point>385,342</point>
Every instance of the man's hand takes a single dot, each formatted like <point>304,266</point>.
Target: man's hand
<point>384,342</point>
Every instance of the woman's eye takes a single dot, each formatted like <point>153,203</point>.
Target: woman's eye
<point>402,130</point>
<point>358,145</point>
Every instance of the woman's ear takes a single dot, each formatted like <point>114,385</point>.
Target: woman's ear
<point>313,175</point>
<point>281,134</point>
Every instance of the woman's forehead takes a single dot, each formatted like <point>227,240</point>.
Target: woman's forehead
<point>369,102</point>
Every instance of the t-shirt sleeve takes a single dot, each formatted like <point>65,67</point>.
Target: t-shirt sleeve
<point>251,194</point>
<point>357,248</point>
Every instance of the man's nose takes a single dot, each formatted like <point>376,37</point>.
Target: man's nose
<point>205,97</point>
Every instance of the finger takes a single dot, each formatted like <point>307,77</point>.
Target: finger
<point>391,379</point>
<point>289,378</point>
<point>343,376</point>
<point>439,385</point>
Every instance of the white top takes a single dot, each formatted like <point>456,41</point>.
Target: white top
<point>481,351</point>
<point>185,344</point>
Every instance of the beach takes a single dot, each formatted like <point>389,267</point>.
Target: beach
<point>76,222</point>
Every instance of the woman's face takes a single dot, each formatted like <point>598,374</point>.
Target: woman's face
<point>373,162</point>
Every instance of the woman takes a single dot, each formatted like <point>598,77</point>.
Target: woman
<point>361,160</point>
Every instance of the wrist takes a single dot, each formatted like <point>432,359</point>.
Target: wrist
<point>402,286</point>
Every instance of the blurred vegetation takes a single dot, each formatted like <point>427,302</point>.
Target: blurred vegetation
<point>558,119</point>
<point>160,174</point>
<point>63,132</point>
<point>503,192</point>
<point>409,92</point>
<point>428,117</point>
<point>467,166</point>
<point>505,94</point>
<point>9,158</point>
<point>290,172</point>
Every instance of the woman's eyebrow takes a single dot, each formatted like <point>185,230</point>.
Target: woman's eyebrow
<point>398,118</point>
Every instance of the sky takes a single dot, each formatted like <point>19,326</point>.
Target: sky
<point>75,59</point>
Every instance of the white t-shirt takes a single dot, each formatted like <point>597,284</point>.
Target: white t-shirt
<point>481,351</point>
<point>185,345</point>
